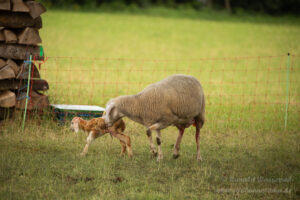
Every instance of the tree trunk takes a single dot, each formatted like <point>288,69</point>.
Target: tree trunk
<point>19,20</point>
<point>227,5</point>
<point>20,52</point>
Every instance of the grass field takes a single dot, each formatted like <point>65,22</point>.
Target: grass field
<point>246,152</point>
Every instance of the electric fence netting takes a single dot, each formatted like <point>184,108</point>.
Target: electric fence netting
<point>241,92</point>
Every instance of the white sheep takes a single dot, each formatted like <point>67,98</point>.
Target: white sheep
<point>177,100</point>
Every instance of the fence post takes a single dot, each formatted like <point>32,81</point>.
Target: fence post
<point>287,90</point>
<point>27,93</point>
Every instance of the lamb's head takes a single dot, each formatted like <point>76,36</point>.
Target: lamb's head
<point>75,124</point>
<point>112,113</point>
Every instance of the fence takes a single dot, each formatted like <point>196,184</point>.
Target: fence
<point>248,92</point>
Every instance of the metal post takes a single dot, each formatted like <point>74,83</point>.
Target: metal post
<point>28,87</point>
<point>287,90</point>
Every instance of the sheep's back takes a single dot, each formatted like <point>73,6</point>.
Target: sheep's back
<point>176,98</point>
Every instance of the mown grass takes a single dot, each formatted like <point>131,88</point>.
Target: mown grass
<point>246,152</point>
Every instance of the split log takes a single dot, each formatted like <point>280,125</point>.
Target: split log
<point>5,5</point>
<point>14,66</point>
<point>35,8</point>
<point>2,38</point>
<point>2,63</point>
<point>19,20</point>
<point>7,72</point>
<point>29,36</point>
<point>23,74</point>
<point>37,101</point>
<point>7,99</point>
<point>14,84</point>
<point>10,37</point>
<point>19,6</point>
<point>20,52</point>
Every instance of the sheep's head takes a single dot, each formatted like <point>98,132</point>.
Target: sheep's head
<point>75,124</point>
<point>112,113</point>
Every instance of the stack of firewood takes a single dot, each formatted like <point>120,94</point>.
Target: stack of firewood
<point>20,22</point>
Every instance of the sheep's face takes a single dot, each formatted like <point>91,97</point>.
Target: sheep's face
<point>112,114</point>
<point>75,124</point>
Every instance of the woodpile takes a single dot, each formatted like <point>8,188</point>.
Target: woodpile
<point>20,22</point>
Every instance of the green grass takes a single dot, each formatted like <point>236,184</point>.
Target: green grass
<point>244,146</point>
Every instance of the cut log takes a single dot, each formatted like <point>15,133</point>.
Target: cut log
<point>19,6</point>
<point>10,37</point>
<point>19,20</point>
<point>35,8</point>
<point>2,63</point>
<point>20,52</point>
<point>5,5</point>
<point>29,36</point>
<point>23,74</point>
<point>7,99</point>
<point>14,84</point>
<point>14,66</point>
<point>2,38</point>
<point>36,102</point>
<point>7,72</point>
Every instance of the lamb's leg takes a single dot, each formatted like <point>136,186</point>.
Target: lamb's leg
<point>178,141</point>
<point>152,146</point>
<point>123,139</point>
<point>123,147</point>
<point>197,136</point>
<point>158,140</point>
<point>89,140</point>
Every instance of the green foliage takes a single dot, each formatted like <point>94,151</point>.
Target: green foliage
<point>262,6</point>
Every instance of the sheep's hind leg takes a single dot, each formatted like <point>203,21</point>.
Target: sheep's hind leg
<point>197,136</point>
<point>178,141</point>
<point>158,140</point>
<point>152,146</point>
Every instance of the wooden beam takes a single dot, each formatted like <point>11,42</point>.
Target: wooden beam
<point>29,36</point>
<point>5,5</point>
<point>19,6</point>
<point>35,8</point>
<point>7,99</point>
<point>19,20</point>
<point>10,37</point>
<point>7,72</point>
<point>20,52</point>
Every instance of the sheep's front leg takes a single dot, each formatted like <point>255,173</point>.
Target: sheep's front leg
<point>178,141</point>
<point>158,141</point>
<point>152,146</point>
<point>89,140</point>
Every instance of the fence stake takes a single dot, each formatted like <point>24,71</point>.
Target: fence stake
<point>27,93</point>
<point>287,90</point>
